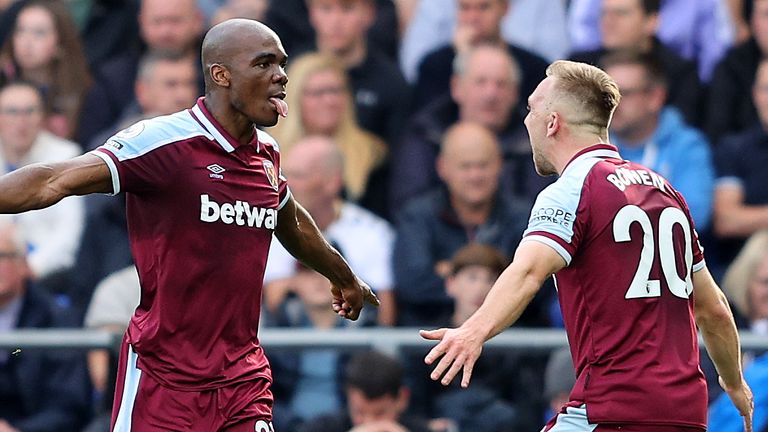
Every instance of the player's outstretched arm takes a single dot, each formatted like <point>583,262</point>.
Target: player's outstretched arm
<point>714,318</point>
<point>41,185</point>
<point>459,348</point>
<point>300,236</point>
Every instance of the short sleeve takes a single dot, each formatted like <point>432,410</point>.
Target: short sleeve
<point>553,219</point>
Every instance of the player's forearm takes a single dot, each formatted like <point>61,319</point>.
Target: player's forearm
<point>305,242</point>
<point>506,301</point>
<point>27,189</point>
<point>721,338</point>
<point>740,221</point>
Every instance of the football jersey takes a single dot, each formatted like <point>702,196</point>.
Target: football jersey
<point>626,292</point>
<point>201,212</point>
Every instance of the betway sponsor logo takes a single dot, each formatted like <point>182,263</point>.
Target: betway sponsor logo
<point>239,212</point>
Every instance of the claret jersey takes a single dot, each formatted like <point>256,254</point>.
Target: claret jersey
<point>626,292</point>
<point>201,212</point>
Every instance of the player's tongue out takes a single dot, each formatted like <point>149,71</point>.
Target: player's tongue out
<point>280,106</point>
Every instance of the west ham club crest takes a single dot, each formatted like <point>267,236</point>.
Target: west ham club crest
<point>269,170</point>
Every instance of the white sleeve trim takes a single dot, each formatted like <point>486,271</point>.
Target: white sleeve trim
<point>699,265</point>
<point>285,200</point>
<point>112,170</point>
<point>551,243</point>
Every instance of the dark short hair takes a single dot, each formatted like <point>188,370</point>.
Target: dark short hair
<point>477,254</point>
<point>654,70</point>
<point>375,374</point>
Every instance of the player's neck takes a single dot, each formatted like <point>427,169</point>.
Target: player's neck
<point>570,146</point>
<point>236,124</point>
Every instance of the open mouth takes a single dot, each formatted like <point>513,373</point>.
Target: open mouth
<point>280,106</point>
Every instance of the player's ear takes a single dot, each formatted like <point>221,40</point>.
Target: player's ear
<point>220,75</point>
<point>554,120</point>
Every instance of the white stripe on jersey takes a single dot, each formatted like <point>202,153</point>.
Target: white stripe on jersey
<point>112,171</point>
<point>212,129</point>
<point>285,200</point>
<point>551,243</point>
<point>130,388</point>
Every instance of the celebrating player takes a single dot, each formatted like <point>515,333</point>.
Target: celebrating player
<point>204,194</point>
<point>630,274</point>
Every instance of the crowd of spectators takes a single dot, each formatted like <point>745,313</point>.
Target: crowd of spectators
<point>405,141</point>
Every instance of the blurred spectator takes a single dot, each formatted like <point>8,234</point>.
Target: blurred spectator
<point>320,101</point>
<point>723,416</point>
<point>251,9</point>
<point>746,283</point>
<point>315,166</point>
<point>166,82</point>
<point>536,25</point>
<point>700,31</point>
<point>106,27</point>
<point>478,21</point>
<point>559,379</point>
<point>173,26</point>
<point>290,19</point>
<point>377,399</point>
<point>485,89</point>
<point>741,196</point>
<point>111,308</point>
<point>493,403</point>
<point>730,106</point>
<point>306,383</point>
<point>53,233</point>
<point>379,90</point>
<point>104,248</point>
<point>45,49</point>
<point>432,227</point>
<point>649,132</point>
<point>40,390</point>
<point>474,269</point>
<point>632,24</point>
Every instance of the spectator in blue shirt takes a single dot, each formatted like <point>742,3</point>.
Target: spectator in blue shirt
<point>648,131</point>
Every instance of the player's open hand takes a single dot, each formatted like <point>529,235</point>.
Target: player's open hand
<point>459,349</point>
<point>742,398</point>
<point>348,299</point>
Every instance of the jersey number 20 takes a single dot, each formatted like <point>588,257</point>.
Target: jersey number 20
<point>642,286</point>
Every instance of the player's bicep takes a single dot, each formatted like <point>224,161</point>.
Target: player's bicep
<point>82,175</point>
<point>290,219</point>
<point>538,259</point>
<point>708,299</point>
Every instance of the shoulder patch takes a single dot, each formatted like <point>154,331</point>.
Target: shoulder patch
<point>131,131</point>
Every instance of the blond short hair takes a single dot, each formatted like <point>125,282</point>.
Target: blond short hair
<point>592,91</point>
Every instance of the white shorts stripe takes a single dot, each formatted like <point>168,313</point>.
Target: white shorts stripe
<point>130,388</point>
<point>574,420</point>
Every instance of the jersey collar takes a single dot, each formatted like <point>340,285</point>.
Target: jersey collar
<point>223,138</point>
<point>600,150</point>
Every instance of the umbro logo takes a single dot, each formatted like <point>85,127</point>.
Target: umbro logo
<point>216,171</point>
